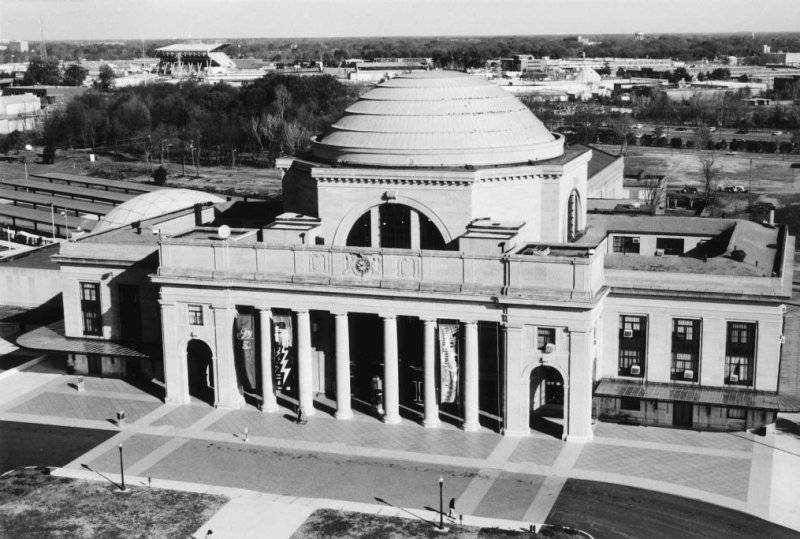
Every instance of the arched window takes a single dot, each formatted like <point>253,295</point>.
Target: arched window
<point>573,216</point>
<point>395,226</point>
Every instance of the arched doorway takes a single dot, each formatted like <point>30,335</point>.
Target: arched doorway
<point>200,368</point>
<point>547,401</point>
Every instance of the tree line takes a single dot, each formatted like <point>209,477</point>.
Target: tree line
<point>219,123</point>
<point>451,52</point>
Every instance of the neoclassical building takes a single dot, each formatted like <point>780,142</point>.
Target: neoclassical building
<point>434,261</point>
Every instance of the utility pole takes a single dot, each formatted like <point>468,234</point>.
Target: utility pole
<point>750,184</point>
<point>42,46</point>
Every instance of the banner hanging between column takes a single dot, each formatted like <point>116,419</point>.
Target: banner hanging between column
<point>448,357</point>
<point>283,353</point>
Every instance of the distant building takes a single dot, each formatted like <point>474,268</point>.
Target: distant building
<point>19,112</point>
<point>766,49</point>
<point>639,36</point>
<point>49,95</point>
<point>181,59</point>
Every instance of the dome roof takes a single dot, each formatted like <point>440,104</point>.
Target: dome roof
<point>437,119</point>
<point>153,204</point>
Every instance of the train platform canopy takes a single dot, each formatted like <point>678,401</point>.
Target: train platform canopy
<point>103,183</point>
<point>707,396</point>
<point>52,338</point>
<point>39,200</point>
<point>58,189</point>
<point>191,48</point>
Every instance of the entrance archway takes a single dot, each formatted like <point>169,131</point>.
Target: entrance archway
<point>200,368</point>
<point>547,401</point>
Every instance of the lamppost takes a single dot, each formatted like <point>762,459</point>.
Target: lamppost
<point>441,504</point>
<point>53,221</point>
<point>121,470</point>
<point>66,224</point>
<point>28,148</point>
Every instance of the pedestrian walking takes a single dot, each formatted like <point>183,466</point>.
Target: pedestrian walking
<point>452,512</point>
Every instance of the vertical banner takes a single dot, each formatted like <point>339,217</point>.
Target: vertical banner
<point>448,357</point>
<point>246,350</point>
<point>283,353</point>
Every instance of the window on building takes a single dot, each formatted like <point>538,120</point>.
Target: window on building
<point>671,246</point>
<point>685,349</point>
<point>632,345</point>
<point>737,413</point>
<point>626,244</point>
<point>630,403</point>
<point>196,315</point>
<point>740,353</point>
<point>545,336</point>
<point>90,308</point>
<point>573,216</point>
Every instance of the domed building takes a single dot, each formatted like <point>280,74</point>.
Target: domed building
<point>434,258</point>
<point>153,204</point>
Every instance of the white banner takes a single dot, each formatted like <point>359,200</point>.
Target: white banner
<point>448,358</point>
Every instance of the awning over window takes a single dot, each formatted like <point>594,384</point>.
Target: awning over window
<point>52,338</point>
<point>710,396</point>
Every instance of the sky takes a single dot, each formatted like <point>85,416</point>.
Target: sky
<point>194,19</point>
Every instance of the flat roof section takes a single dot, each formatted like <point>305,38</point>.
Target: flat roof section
<point>70,191</point>
<point>59,203</point>
<point>106,184</point>
<point>710,396</point>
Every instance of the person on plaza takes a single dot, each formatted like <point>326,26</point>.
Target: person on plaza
<point>377,393</point>
<point>452,512</point>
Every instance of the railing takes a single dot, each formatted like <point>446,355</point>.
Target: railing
<point>577,278</point>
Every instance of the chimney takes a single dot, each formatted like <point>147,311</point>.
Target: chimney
<point>772,217</point>
<point>198,214</point>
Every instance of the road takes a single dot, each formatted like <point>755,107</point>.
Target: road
<point>28,444</point>
<point>609,510</point>
<point>686,132</point>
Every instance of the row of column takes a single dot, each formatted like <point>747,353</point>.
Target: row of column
<point>391,377</point>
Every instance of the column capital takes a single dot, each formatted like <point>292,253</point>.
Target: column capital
<point>470,322</point>
<point>429,319</point>
<point>388,316</point>
<point>339,314</point>
<point>223,307</point>
<point>166,303</point>
<point>264,310</point>
<point>300,311</point>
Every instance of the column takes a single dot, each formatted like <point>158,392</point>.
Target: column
<point>268,403</point>
<point>174,359</point>
<point>471,376</point>
<point>515,415</point>
<point>304,369</point>
<point>227,390</point>
<point>415,234</point>
<point>391,381</point>
<point>343,410</point>
<point>578,420</point>
<point>375,227</point>
<point>431,405</point>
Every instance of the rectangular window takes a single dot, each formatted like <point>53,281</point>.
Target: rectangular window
<point>196,315</point>
<point>545,336</point>
<point>626,244</point>
<point>90,309</point>
<point>685,349</point>
<point>737,413</point>
<point>630,403</point>
<point>671,246</point>
<point>632,345</point>
<point>740,353</point>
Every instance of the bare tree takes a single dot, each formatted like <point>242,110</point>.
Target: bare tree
<point>652,191</point>
<point>710,170</point>
<point>621,127</point>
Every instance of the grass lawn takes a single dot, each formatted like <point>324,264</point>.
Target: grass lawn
<point>331,523</point>
<point>35,504</point>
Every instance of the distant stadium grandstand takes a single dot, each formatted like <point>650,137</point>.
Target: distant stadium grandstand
<point>181,59</point>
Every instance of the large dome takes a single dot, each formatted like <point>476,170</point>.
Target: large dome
<point>437,119</point>
<point>153,204</point>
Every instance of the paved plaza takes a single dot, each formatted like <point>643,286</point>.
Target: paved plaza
<point>365,461</point>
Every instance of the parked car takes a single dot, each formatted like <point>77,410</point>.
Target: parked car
<point>680,129</point>
<point>741,132</point>
<point>688,189</point>
<point>775,133</point>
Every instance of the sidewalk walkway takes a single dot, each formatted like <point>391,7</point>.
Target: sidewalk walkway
<point>246,448</point>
